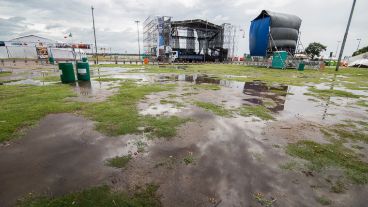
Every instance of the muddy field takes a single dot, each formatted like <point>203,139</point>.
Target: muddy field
<point>208,135</point>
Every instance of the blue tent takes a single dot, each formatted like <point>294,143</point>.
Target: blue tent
<point>271,30</point>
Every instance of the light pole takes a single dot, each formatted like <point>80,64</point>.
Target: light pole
<point>139,44</point>
<point>337,48</point>
<point>358,43</point>
<point>345,36</point>
<point>94,33</point>
<point>205,51</point>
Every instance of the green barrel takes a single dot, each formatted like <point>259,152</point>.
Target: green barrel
<point>301,66</point>
<point>83,71</point>
<point>84,59</point>
<point>66,72</point>
<point>51,60</point>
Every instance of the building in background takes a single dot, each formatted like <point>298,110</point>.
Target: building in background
<point>31,40</point>
<point>36,47</point>
<point>187,40</point>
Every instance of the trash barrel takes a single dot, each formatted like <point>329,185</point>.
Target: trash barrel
<point>51,60</point>
<point>278,59</point>
<point>301,66</point>
<point>83,71</point>
<point>66,72</point>
<point>84,59</point>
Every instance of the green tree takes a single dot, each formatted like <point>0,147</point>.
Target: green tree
<point>314,49</point>
<point>362,50</point>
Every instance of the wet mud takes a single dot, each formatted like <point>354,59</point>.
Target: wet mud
<point>213,160</point>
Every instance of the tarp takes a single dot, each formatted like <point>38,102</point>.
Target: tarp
<point>26,52</point>
<point>259,36</point>
<point>359,60</point>
<point>20,52</point>
<point>282,32</point>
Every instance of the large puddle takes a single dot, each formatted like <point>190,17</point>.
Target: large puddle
<point>283,100</point>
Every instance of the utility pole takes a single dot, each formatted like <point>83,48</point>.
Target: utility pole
<point>337,48</point>
<point>358,43</point>
<point>345,36</point>
<point>139,44</point>
<point>94,34</point>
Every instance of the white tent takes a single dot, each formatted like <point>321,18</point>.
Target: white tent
<point>359,60</point>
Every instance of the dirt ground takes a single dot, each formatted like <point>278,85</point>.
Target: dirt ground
<point>212,161</point>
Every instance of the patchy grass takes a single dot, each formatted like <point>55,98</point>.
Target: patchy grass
<point>24,105</point>
<point>331,155</point>
<point>324,200</point>
<point>357,147</point>
<point>325,93</point>
<point>168,163</point>
<point>248,73</point>
<point>291,165</point>
<point>362,103</point>
<point>261,199</point>
<point>163,126</point>
<point>258,111</point>
<point>48,78</point>
<point>175,103</point>
<point>353,135</point>
<point>119,114</point>
<point>338,187</point>
<point>5,73</point>
<point>216,109</point>
<point>119,161</point>
<point>141,145</point>
<point>207,86</point>
<point>108,79</point>
<point>118,65</point>
<point>98,196</point>
<point>9,81</point>
<point>189,159</point>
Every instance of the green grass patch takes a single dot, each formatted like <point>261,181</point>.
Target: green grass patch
<point>357,147</point>
<point>175,103</point>
<point>48,78</point>
<point>216,109</point>
<point>324,200</point>
<point>117,66</point>
<point>5,73</point>
<point>325,93</point>
<point>119,161</point>
<point>291,165</point>
<point>258,111</point>
<point>9,81</point>
<point>189,159</point>
<point>24,105</point>
<point>108,79</point>
<point>335,155</point>
<point>165,126</point>
<point>141,145</point>
<point>338,187</point>
<point>362,103</point>
<point>98,196</point>
<point>262,200</point>
<point>353,135</point>
<point>119,114</point>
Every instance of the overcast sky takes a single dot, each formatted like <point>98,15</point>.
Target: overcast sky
<point>324,21</point>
